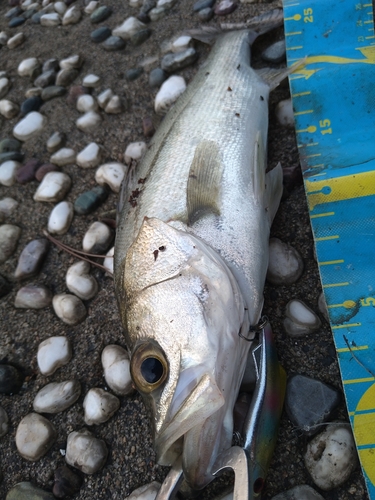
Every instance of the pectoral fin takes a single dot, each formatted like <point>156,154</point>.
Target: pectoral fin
<point>274,190</point>
<point>204,182</point>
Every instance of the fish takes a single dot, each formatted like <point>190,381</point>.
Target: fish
<point>191,255</point>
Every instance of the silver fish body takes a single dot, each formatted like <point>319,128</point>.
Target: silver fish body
<point>191,255</point>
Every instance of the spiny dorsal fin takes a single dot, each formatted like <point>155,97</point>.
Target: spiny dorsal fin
<point>203,187</point>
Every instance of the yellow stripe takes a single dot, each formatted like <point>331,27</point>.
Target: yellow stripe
<point>368,37</point>
<point>349,325</point>
<point>306,112</point>
<point>358,348</point>
<point>329,262</point>
<point>358,380</point>
<point>298,47</point>
<point>296,17</point>
<point>351,413</point>
<point>312,156</point>
<point>310,129</point>
<point>326,214</point>
<point>332,285</point>
<point>348,304</point>
<point>367,5</point>
<point>340,188</point>
<point>308,145</point>
<point>299,94</point>
<point>326,238</point>
<point>368,22</point>
<point>293,33</point>
<point>316,166</point>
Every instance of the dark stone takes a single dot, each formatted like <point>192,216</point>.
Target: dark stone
<point>114,43</point>
<point>31,104</point>
<point>16,11</point>
<point>133,74</point>
<point>100,14</point>
<point>156,77</point>
<point>69,2</point>
<point>206,14</point>
<point>76,91</point>
<point>13,3</point>
<point>275,53</point>
<point>225,7</point>
<point>36,17</point>
<point>100,34</point>
<point>29,13</point>
<point>11,155</point>
<point>66,76</point>
<point>35,73</point>
<point>5,286</point>
<point>309,402</point>
<point>53,91</point>
<point>143,17</point>
<point>31,258</point>
<point>27,491</point>
<point>202,4</point>
<point>16,21</point>
<point>45,79</point>
<point>90,200</point>
<point>51,65</point>
<point>44,169</point>
<point>7,145</point>
<point>26,173</point>
<point>140,37</point>
<point>148,127</point>
<point>148,5</point>
<point>11,379</point>
<point>173,62</point>
<point>66,482</point>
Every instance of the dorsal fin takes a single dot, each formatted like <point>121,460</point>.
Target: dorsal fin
<point>203,186</point>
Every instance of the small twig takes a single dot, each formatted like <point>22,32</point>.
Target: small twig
<point>78,253</point>
<point>356,359</point>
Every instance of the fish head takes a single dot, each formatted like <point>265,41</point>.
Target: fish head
<point>183,313</point>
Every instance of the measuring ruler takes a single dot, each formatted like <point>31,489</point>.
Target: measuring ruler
<point>334,107</point>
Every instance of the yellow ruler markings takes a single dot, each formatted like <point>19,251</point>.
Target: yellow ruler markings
<point>349,325</point>
<point>358,380</point>
<point>306,112</point>
<point>292,33</point>
<point>299,94</point>
<point>331,262</point>
<point>325,214</point>
<point>326,238</point>
<point>357,348</point>
<point>333,285</point>
<point>348,304</point>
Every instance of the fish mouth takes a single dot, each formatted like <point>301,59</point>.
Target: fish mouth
<point>202,402</point>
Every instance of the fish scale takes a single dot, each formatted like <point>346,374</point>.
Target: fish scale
<point>334,108</point>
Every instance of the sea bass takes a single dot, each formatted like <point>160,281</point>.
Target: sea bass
<point>191,256</point>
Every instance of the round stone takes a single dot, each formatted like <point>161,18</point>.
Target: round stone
<point>133,73</point>
<point>16,41</point>
<point>202,4</point>
<point>8,145</point>
<point>66,482</point>
<point>284,113</point>
<point>275,53</point>
<point>225,7</point>
<point>31,259</point>
<point>33,297</point>
<point>8,171</point>
<point>100,14</point>
<point>9,236</point>
<point>66,76</point>
<point>80,282</point>
<point>89,201</point>
<point>64,156</point>
<point>31,104</point>
<point>56,142</point>
<point>72,15</point>
<point>26,173</point>
<point>11,379</point>
<point>176,61</point>
<point>45,79</point>
<point>127,29</point>
<point>72,62</point>
<point>69,308</point>
<point>300,319</point>
<point>114,105</point>
<point>169,93</point>
<point>157,77</point>
<point>44,169</point>
<point>285,263</point>
<point>140,37</point>
<point>60,218</point>
<point>30,126</point>
<point>91,81</point>
<point>112,175</point>
<point>97,239</point>
<point>34,436</point>
<point>85,452</point>
<point>53,353</point>
<point>99,406</point>
<point>86,103</point>
<point>89,121</point>
<point>28,66</point>
<point>27,491</point>
<point>134,151</point>
<point>101,34</point>
<point>116,366</point>
<point>52,91</point>
<point>57,396</point>
<point>53,187</point>
<point>114,43</point>
<point>206,15</point>
<point>8,109</point>
<point>16,21</point>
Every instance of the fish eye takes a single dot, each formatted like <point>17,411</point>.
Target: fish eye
<point>148,367</point>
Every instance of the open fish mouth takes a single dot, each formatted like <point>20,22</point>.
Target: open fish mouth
<point>203,401</point>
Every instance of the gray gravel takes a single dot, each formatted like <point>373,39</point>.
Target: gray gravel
<point>131,461</point>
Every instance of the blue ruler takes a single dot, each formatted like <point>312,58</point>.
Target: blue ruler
<point>334,106</point>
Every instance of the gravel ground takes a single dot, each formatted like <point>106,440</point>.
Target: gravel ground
<point>131,461</point>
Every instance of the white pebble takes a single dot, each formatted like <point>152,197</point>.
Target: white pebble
<point>7,206</point>
<point>114,105</point>
<point>136,3</point>
<point>72,15</point>
<point>8,109</point>
<point>8,171</point>
<point>104,98</point>
<point>111,174</point>
<point>33,91</point>
<point>89,157</point>
<point>128,28</point>
<point>71,62</point>
<point>108,261</point>
<point>91,81</point>
<point>3,38</point>
<point>51,19</point>
<point>55,142</point>
<point>57,396</point>
<point>27,66</point>
<point>99,406</point>
<point>53,187</point>
<point>60,8</point>
<point>53,353</point>
<point>89,121</point>
<point>15,41</point>
<point>85,452</point>
<point>284,113</point>
<point>89,9</point>
<point>146,492</point>
<point>69,308</point>
<point>86,103</point>
<point>322,306</point>
<point>60,218</point>
<point>331,456</point>
<point>182,43</point>
<point>97,238</point>
<point>9,236</point>
<point>300,492</point>
<point>34,437</point>
<point>168,94</point>
<point>80,282</point>
<point>285,263</point>
<point>3,422</point>
<point>30,126</point>
<point>116,366</point>
<point>149,63</point>
<point>166,4</point>
<point>134,151</point>
<point>4,86</point>
<point>63,156</point>
<point>157,13</point>
<point>300,319</point>
<point>33,297</point>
